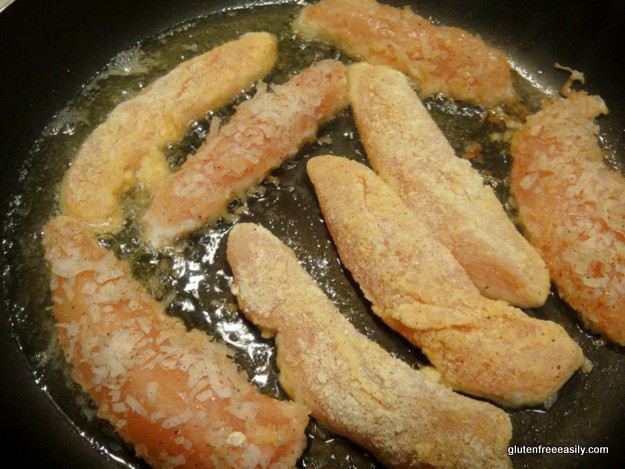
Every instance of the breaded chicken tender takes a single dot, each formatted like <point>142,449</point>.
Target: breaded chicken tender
<point>480,346</point>
<point>175,395</point>
<point>128,147</point>
<point>439,59</point>
<point>264,132</point>
<point>408,150</point>
<point>572,207</point>
<point>351,384</point>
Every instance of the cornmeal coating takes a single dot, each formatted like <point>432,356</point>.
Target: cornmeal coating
<point>439,59</point>
<point>264,132</point>
<point>572,207</point>
<point>175,395</point>
<point>480,346</point>
<point>351,384</point>
<point>128,147</point>
<point>408,150</point>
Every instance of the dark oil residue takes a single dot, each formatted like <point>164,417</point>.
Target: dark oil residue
<point>192,278</point>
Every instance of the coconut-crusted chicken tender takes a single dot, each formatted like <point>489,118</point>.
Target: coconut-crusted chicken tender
<point>351,384</point>
<point>572,207</point>
<point>264,132</point>
<point>128,147</point>
<point>175,395</point>
<point>480,346</point>
<point>439,59</point>
<point>408,150</point>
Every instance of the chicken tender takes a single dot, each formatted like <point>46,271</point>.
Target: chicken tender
<point>572,207</point>
<point>351,384</point>
<point>264,132</point>
<point>175,395</point>
<point>127,147</point>
<point>439,59</point>
<point>480,346</point>
<point>408,150</point>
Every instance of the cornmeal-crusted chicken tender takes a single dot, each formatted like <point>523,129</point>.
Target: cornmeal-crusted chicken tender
<point>128,147</point>
<point>480,346</point>
<point>351,384</point>
<point>264,132</point>
<point>175,395</point>
<point>572,207</point>
<point>408,150</point>
<point>439,59</point>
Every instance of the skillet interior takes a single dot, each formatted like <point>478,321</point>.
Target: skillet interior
<point>63,47</point>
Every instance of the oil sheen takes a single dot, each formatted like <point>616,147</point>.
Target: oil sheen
<point>192,278</point>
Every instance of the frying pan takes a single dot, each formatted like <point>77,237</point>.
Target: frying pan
<point>49,50</point>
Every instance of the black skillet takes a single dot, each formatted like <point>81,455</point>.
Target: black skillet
<point>48,50</point>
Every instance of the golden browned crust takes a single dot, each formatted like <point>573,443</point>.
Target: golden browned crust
<point>264,132</point>
<point>350,383</point>
<point>175,395</point>
<point>128,147</point>
<point>480,346</point>
<point>408,150</point>
<point>572,207</point>
<point>440,59</point>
